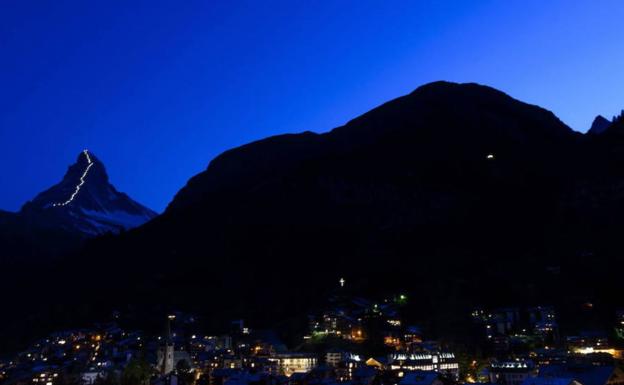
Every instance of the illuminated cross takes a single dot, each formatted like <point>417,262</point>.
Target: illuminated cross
<point>342,282</point>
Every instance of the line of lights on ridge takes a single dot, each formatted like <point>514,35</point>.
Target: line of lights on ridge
<point>79,185</point>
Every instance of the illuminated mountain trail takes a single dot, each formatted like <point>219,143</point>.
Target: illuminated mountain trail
<point>79,185</point>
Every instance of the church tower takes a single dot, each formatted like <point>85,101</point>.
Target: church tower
<point>167,350</point>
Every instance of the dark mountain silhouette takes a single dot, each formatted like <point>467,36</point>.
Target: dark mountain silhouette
<point>599,125</point>
<point>457,194</point>
<point>24,241</point>
<point>453,182</point>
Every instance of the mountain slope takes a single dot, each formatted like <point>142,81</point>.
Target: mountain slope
<point>446,181</point>
<point>477,120</point>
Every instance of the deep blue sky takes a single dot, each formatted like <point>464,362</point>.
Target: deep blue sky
<point>156,89</point>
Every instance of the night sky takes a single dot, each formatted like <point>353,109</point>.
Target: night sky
<point>157,89</point>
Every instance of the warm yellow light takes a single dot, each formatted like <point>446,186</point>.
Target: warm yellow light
<point>591,350</point>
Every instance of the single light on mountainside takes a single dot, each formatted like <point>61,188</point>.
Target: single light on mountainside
<point>490,156</point>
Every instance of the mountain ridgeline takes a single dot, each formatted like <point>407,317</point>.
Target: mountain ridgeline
<point>456,193</point>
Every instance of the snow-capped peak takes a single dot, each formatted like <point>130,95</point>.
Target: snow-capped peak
<point>86,202</point>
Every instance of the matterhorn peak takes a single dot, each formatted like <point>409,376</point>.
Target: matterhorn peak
<point>84,200</point>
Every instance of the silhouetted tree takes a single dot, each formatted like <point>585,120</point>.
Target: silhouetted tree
<point>185,376</point>
<point>66,378</point>
<point>109,378</point>
<point>137,372</point>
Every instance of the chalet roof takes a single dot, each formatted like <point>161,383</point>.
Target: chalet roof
<point>419,377</point>
<point>548,381</point>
